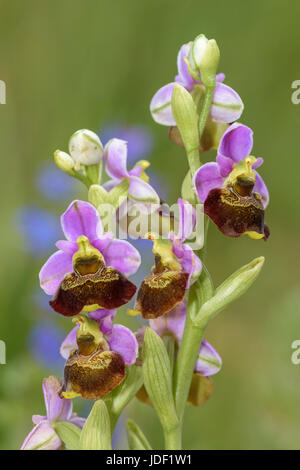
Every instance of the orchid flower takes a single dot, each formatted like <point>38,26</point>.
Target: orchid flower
<point>112,260</point>
<point>43,436</point>
<point>227,105</point>
<point>176,268</point>
<point>115,156</point>
<point>233,193</point>
<point>96,354</point>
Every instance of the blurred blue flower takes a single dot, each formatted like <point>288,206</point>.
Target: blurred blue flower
<point>54,184</point>
<point>41,300</point>
<point>139,139</point>
<point>40,229</point>
<point>44,343</point>
<point>161,186</point>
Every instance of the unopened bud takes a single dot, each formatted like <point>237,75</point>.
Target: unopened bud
<point>85,148</point>
<point>204,56</point>
<point>230,290</point>
<point>64,161</point>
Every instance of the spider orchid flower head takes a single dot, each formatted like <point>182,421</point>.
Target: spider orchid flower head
<point>43,436</point>
<point>176,268</point>
<point>233,193</point>
<point>140,191</point>
<point>227,105</point>
<point>88,271</point>
<point>96,354</point>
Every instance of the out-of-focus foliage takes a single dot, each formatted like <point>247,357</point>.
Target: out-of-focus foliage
<point>70,65</point>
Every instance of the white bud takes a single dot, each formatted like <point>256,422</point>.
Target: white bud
<point>64,161</point>
<point>85,148</point>
<point>197,51</point>
<point>204,56</point>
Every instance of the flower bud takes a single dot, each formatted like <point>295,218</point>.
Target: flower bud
<point>64,161</point>
<point>85,148</point>
<point>204,56</point>
<point>230,290</point>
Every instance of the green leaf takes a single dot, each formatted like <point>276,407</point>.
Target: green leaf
<point>158,378</point>
<point>169,342</point>
<point>230,290</point>
<point>69,434</point>
<point>136,438</point>
<point>95,434</point>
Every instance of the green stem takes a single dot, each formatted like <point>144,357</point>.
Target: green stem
<point>199,293</point>
<point>173,438</point>
<point>194,160</point>
<point>185,363</point>
<point>206,107</point>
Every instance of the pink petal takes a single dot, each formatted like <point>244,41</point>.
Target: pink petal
<point>261,188</point>
<point>227,105</point>
<point>173,322</point>
<point>42,437</point>
<point>122,256</point>
<point>184,78</point>
<point>57,408</point>
<point>69,343</point>
<point>141,191</point>
<point>206,178</point>
<point>160,106</point>
<point>79,422</point>
<point>102,313</point>
<point>115,156</point>
<point>225,165</point>
<point>54,270</point>
<point>189,261</point>
<point>81,218</point>
<point>36,419</point>
<point>67,247</point>
<point>220,77</point>
<point>123,341</point>
<point>236,142</point>
<point>208,362</point>
<point>187,220</point>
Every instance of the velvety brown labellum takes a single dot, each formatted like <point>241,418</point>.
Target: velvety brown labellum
<point>109,289</point>
<point>93,376</point>
<point>161,292</point>
<point>234,214</point>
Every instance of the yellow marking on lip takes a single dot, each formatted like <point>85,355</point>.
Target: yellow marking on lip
<point>70,395</point>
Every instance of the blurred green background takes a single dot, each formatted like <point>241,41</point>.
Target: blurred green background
<point>73,64</point>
